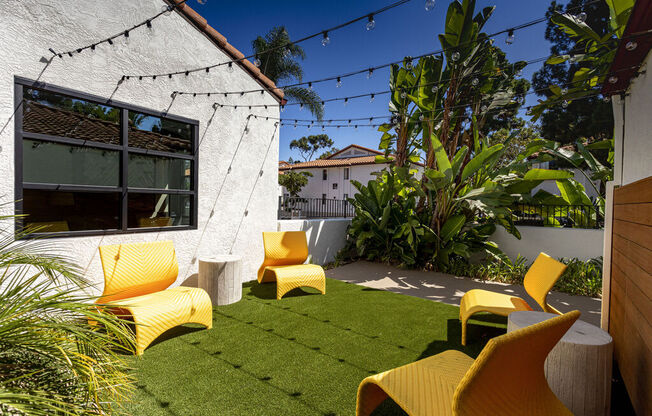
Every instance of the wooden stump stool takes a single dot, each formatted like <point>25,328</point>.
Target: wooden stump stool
<point>578,368</point>
<point>220,276</point>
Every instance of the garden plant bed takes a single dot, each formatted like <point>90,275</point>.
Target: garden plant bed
<point>302,355</point>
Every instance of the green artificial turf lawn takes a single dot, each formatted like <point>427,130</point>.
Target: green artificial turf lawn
<point>302,355</point>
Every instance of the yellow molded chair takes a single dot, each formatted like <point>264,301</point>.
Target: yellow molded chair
<point>136,278</point>
<point>539,279</point>
<point>285,253</point>
<point>507,378</point>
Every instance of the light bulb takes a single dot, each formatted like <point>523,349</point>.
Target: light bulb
<point>371,24</point>
<point>370,73</point>
<point>475,82</point>
<point>309,126</point>
<point>323,128</point>
<point>300,106</point>
<point>613,79</point>
<point>408,63</point>
<point>127,38</point>
<point>371,99</point>
<point>325,40</point>
<point>455,56</point>
<point>166,10</point>
<point>346,101</point>
<point>484,108</point>
<point>510,37</point>
<point>295,125</point>
<point>429,5</point>
<point>403,94</point>
<point>564,104</point>
<point>310,86</point>
<point>564,91</point>
<point>518,73</point>
<point>229,67</point>
<point>339,82</point>
<point>434,88</point>
<point>356,126</point>
<point>451,114</point>
<point>606,98</point>
<point>631,45</point>
<point>581,17</point>
<point>572,58</point>
<point>421,117</point>
<point>257,61</point>
<point>282,108</point>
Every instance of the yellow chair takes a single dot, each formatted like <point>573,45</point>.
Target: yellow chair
<point>136,278</point>
<point>507,378</point>
<point>539,279</point>
<point>285,253</point>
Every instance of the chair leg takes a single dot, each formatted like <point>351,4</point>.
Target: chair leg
<point>463,321</point>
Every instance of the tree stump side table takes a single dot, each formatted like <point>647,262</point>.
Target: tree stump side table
<point>220,277</point>
<point>578,368</point>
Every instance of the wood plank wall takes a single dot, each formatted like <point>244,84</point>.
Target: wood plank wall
<point>630,312</point>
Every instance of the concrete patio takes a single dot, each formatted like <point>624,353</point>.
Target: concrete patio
<point>449,289</point>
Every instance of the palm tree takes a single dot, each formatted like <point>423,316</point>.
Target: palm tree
<point>59,354</point>
<point>280,64</point>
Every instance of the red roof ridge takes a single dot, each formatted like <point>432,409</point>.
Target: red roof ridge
<point>202,24</point>
<point>357,147</point>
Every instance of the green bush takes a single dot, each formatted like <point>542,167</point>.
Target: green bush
<point>580,278</point>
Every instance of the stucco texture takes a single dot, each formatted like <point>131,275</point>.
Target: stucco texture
<point>29,28</point>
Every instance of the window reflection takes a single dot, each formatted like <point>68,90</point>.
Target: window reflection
<point>159,172</point>
<point>157,210</point>
<point>162,134</point>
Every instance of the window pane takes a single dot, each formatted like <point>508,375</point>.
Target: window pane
<point>159,172</point>
<point>59,115</point>
<point>46,162</point>
<point>71,211</point>
<point>156,133</point>
<point>157,210</point>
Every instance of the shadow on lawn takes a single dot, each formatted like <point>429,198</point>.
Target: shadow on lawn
<point>268,291</point>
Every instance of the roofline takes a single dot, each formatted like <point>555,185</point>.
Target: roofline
<point>216,37</point>
<point>356,146</point>
<point>626,64</point>
<point>293,167</point>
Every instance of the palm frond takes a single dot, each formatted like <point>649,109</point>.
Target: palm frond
<point>310,99</point>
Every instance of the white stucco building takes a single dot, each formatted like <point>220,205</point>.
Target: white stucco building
<point>97,161</point>
<point>331,177</point>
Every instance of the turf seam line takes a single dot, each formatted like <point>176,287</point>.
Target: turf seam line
<point>312,349</point>
<point>258,379</point>
<point>375,338</point>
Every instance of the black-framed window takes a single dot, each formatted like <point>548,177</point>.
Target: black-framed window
<point>346,173</point>
<point>86,165</point>
<point>324,174</point>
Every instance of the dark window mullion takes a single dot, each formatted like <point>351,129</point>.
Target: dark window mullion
<point>160,191</point>
<point>194,186</point>
<point>124,171</point>
<point>18,155</point>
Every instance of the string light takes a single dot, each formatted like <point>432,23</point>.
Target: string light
<point>370,73</point>
<point>325,40</point>
<point>371,23</point>
<point>256,61</point>
<point>371,98</point>
<point>166,10</point>
<point>564,104</point>
<point>339,82</point>
<point>581,17</point>
<point>455,56</point>
<point>631,45</point>
<point>510,37</point>
<point>475,82</point>
<point>429,5</point>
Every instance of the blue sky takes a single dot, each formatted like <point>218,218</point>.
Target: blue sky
<point>406,30</point>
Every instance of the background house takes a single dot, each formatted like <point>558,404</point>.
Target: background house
<point>192,173</point>
<point>331,177</point>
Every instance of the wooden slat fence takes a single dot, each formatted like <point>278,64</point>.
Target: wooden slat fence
<point>630,311</point>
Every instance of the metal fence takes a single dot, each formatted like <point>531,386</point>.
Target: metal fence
<point>289,208</point>
<point>569,216</point>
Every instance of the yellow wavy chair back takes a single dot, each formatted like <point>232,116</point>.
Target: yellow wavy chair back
<point>137,269</point>
<point>510,371</point>
<point>541,277</point>
<point>283,248</point>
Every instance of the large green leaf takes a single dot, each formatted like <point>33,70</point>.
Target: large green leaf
<point>574,27</point>
<point>547,174</point>
<point>619,11</point>
<point>441,156</point>
<point>452,227</point>
<point>480,160</point>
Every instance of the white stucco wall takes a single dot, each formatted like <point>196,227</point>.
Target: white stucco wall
<point>325,236</point>
<point>633,151</point>
<point>316,186</point>
<point>29,28</point>
<point>556,242</point>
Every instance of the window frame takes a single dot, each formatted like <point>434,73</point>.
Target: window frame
<point>324,174</point>
<point>346,173</point>
<point>20,83</point>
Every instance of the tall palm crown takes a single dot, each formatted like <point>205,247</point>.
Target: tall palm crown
<point>278,57</point>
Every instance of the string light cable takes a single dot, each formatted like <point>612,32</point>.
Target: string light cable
<point>338,78</point>
<point>166,10</point>
<point>323,33</point>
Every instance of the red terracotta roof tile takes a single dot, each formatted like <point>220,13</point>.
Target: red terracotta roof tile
<point>200,23</point>
<point>330,163</point>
